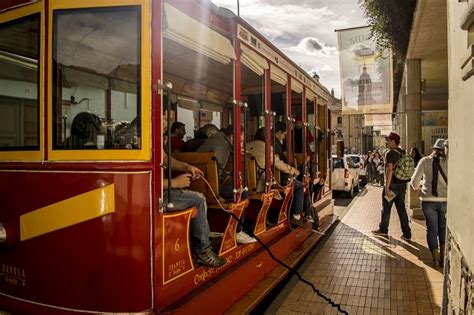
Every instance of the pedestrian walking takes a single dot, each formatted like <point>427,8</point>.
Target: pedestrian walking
<point>394,190</point>
<point>415,154</point>
<point>369,167</point>
<point>432,174</point>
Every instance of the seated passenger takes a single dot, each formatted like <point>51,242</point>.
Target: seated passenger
<point>178,130</point>
<point>221,144</point>
<point>301,202</point>
<point>299,130</point>
<point>202,134</point>
<point>84,131</point>
<point>280,150</point>
<point>256,149</point>
<point>318,188</point>
<point>184,199</point>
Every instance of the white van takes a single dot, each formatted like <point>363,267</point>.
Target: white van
<point>345,175</point>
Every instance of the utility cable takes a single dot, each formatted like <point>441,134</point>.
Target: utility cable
<point>292,271</point>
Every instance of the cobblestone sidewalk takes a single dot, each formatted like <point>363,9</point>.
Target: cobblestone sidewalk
<point>368,274</point>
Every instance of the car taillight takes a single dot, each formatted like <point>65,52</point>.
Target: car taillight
<point>346,173</point>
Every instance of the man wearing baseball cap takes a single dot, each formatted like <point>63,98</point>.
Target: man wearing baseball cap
<point>394,190</point>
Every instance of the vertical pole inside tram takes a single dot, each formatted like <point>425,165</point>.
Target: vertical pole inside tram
<point>168,145</point>
<point>245,105</point>
<point>273,142</point>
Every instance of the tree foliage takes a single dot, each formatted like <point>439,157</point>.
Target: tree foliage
<point>390,22</point>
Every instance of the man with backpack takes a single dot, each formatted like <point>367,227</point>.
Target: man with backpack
<point>399,168</point>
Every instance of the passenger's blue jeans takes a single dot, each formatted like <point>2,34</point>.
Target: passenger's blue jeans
<point>435,214</point>
<point>300,202</point>
<point>185,199</point>
<point>400,190</point>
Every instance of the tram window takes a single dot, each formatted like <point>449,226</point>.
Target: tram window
<point>19,89</point>
<point>96,78</point>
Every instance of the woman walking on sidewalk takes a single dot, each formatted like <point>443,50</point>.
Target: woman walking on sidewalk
<point>434,171</point>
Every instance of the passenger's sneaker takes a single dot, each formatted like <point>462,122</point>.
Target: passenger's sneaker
<point>378,232</point>
<point>244,238</point>
<point>297,222</point>
<point>309,219</point>
<point>209,258</point>
<point>403,237</point>
<point>315,228</point>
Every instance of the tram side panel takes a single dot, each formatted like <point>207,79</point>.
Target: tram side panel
<point>77,241</point>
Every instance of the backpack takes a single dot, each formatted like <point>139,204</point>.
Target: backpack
<point>405,167</point>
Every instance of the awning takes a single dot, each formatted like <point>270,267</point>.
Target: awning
<point>253,61</point>
<point>278,75</point>
<point>310,95</point>
<point>190,33</point>
<point>296,86</point>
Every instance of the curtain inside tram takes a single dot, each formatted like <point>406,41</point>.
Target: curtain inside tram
<point>187,31</point>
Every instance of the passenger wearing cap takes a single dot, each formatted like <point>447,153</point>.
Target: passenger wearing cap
<point>432,175</point>
<point>393,187</point>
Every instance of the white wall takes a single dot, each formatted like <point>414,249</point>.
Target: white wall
<point>461,142</point>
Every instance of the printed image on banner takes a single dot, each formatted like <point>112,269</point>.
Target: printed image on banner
<point>378,120</point>
<point>366,73</point>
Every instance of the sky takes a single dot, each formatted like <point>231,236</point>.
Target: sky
<point>303,30</point>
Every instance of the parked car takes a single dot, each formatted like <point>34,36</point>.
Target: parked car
<point>360,162</point>
<point>345,175</point>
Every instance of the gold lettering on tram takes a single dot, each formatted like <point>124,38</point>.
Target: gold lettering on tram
<point>176,268</point>
<point>13,275</point>
<point>206,274</point>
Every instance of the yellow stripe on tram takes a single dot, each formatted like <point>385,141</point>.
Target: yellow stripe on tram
<point>81,208</point>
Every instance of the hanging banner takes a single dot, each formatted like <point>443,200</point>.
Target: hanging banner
<point>378,120</point>
<point>366,73</point>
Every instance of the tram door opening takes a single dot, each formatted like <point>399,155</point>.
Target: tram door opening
<point>253,93</point>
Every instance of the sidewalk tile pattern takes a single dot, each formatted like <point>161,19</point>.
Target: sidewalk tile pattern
<point>369,274</point>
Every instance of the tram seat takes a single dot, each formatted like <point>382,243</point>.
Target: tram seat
<point>277,176</point>
<point>252,176</point>
<point>207,163</point>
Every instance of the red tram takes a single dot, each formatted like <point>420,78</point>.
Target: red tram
<point>83,227</point>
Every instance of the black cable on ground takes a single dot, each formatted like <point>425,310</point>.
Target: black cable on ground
<point>291,270</point>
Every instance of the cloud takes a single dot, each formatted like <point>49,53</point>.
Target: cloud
<point>303,29</point>
<point>318,70</point>
<point>313,46</point>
